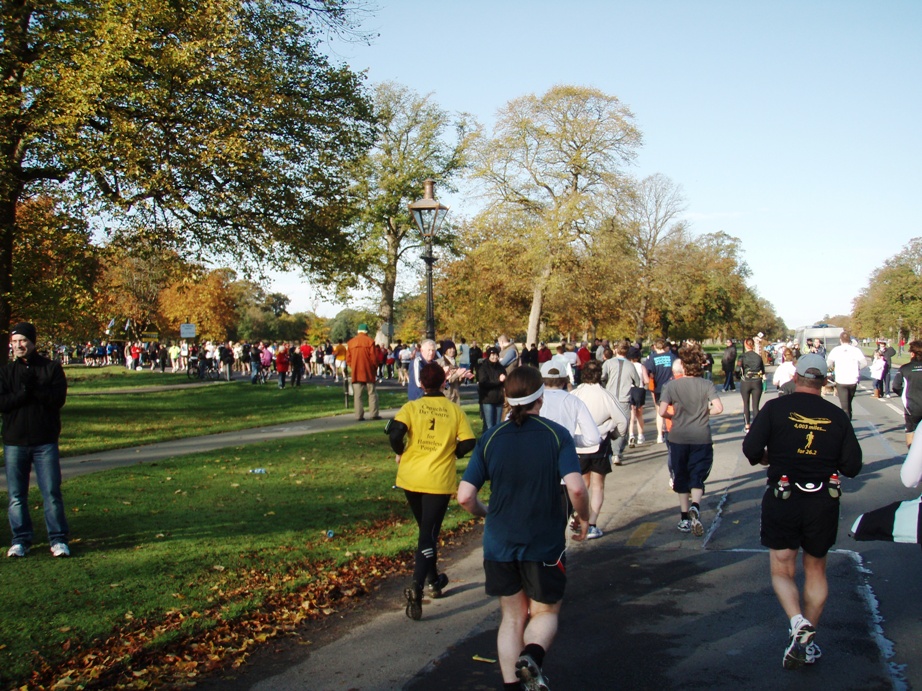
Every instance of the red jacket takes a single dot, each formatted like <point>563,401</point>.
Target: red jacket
<point>281,360</point>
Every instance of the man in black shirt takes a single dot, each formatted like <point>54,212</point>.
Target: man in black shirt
<point>806,442</point>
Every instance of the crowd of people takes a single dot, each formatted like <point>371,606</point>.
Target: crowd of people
<point>556,423</point>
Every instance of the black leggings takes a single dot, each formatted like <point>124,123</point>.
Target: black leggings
<point>429,511</point>
<point>751,389</point>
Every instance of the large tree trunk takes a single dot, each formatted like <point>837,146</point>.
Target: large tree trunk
<point>9,195</point>
<point>389,284</point>
<point>537,305</point>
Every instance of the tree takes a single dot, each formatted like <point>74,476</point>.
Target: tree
<point>410,146</point>
<point>478,297</point>
<point>892,298</point>
<point>130,284</point>
<point>215,128</point>
<point>203,298</point>
<point>55,268</point>
<point>555,160</point>
<point>655,235</point>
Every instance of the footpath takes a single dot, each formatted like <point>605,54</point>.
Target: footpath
<point>72,466</point>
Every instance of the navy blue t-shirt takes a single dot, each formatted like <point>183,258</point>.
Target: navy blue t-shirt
<point>659,366</point>
<point>526,517</point>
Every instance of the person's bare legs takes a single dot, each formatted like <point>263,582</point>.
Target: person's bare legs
<point>783,568</point>
<point>816,588</point>
<point>517,629</point>
<point>511,634</point>
<point>685,500</point>
<point>596,484</point>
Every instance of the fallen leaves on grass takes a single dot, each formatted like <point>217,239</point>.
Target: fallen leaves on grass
<point>135,656</point>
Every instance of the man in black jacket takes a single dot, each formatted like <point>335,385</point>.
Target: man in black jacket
<point>32,392</point>
<point>727,363</point>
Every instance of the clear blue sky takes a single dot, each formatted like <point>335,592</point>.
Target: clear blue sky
<point>791,125</point>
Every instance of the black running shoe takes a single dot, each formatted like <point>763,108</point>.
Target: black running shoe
<point>414,595</point>
<point>795,655</point>
<point>529,674</point>
<point>435,587</point>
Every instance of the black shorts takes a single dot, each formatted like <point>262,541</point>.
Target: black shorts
<point>638,397</point>
<point>541,582</point>
<point>805,519</point>
<point>912,421</point>
<point>594,463</point>
<point>598,462</point>
<point>691,464</point>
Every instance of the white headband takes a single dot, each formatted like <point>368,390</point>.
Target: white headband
<point>525,400</point>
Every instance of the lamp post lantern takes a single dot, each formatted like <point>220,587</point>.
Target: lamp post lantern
<point>428,214</point>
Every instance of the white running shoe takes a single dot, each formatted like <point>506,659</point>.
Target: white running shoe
<point>694,516</point>
<point>17,551</point>
<point>60,549</point>
<point>641,439</point>
<point>632,442</point>
<point>659,439</point>
<point>813,653</point>
<point>795,655</point>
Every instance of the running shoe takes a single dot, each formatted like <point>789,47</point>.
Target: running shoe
<point>414,595</point>
<point>684,526</point>
<point>616,460</point>
<point>631,442</point>
<point>813,653</point>
<point>660,439</point>
<point>17,550</point>
<point>593,533</point>
<point>60,549</point>
<point>641,439</point>
<point>694,516</point>
<point>436,587</point>
<point>529,674</point>
<point>795,655</point>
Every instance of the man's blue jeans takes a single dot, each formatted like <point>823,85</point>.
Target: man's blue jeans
<point>19,463</point>
<point>492,415</point>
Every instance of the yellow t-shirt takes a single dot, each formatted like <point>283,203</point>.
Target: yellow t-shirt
<point>435,425</point>
<point>339,351</point>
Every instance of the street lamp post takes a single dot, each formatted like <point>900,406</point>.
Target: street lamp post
<point>428,214</point>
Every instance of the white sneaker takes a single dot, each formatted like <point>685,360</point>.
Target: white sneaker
<point>616,460</point>
<point>17,550</point>
<point>641,439</point>
<point>632,442</point>
<point>594,533</point>
<point>60,549</point>
<point>659,439</point>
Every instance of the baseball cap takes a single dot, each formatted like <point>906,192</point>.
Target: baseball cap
<point>812,361</point>
<point>553,370</point>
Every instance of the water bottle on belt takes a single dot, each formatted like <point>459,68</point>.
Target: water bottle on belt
<point>783,488</point>
<point>835,486</point>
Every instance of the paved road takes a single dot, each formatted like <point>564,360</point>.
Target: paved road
<point>648,607</point>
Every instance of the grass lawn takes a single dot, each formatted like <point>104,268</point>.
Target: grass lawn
<point>93,420</point>
<point>117,377</point>
<point>192,547</point>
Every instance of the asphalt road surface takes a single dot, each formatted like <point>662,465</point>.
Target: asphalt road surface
<point>648,607</point>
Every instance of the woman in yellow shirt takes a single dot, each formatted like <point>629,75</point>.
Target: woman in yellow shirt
<point>427,435</point>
